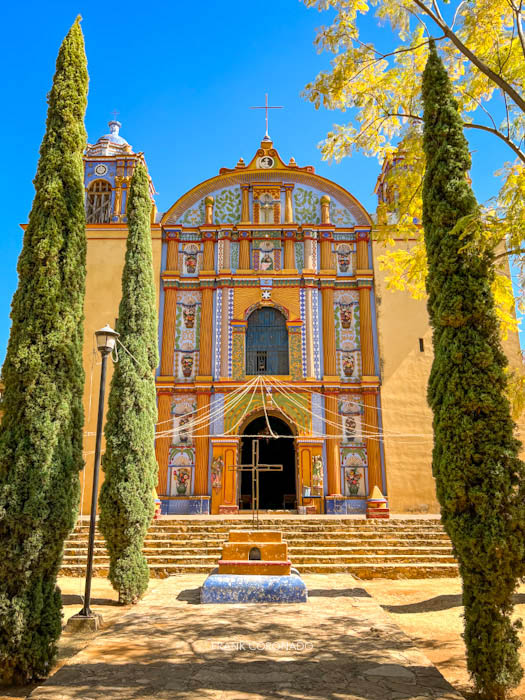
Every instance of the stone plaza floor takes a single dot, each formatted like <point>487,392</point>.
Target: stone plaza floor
<point>341,645</point>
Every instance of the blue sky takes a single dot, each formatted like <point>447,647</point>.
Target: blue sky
<point>182,76</point>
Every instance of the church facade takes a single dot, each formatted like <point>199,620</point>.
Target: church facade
<point>275,328</point>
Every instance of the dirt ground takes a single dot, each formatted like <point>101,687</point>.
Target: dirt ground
<point>430,611</point>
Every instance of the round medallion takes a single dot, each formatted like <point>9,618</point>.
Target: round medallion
<point>101,169</point>
<point>266,162</point>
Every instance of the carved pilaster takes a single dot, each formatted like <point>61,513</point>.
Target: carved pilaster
<point>366,332</point>
<point>288,207</point>
<point>333,470</point>
<point>362,262</point>
<point>202,445</point>
<point>168,331</point>
<point>245,211</point>
<point>328,331</point>
<point>289,254</point>
<point>208,258</point>
<point>206,333</point>
<point>162,444</point>
<point>370,419</point>
<point>244,254</point>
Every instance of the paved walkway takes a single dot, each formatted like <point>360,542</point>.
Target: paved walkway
<point>341,645</point>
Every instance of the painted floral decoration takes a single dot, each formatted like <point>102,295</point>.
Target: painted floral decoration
<point>188,313</point>
<point>352,481</point>
<point>187,365</point>
<point>348,364</point>
<point>346,315</point>
<point>182,478</point>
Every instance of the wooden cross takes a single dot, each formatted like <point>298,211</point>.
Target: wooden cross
<point>255,468</point>
<point>266,107</point>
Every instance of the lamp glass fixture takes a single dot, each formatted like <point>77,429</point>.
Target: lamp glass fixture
<point>106,339</point>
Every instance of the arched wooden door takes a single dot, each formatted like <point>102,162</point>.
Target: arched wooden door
<point>267,342</point>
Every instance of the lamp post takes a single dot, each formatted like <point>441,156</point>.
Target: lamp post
<point>106,340</point>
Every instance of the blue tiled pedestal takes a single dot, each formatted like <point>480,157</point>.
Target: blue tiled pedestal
<point>235,588</point>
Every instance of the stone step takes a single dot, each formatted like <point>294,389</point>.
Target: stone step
<point>359,571</point>
<point>288,536</point>
<point>312,551</point>
<point>297,526</point>
<point>211,560</point>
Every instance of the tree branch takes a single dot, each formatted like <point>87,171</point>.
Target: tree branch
<point>515,251</point>
<point>486,70</point>
<point>468,125</point>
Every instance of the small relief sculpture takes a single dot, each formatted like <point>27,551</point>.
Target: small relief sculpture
<point>184,436</point>
<point>317,473</point>
<point>188,313</point>
<point>348,364</point>
<point>345,314</point>
<point>217,466</point>
<point>187,365</point>
<point>191,263</point>
<point>191,252</point>
<point>343,257</point>
<point>350,428</point>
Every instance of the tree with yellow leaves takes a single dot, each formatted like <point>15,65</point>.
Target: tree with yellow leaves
<point>482,43</point>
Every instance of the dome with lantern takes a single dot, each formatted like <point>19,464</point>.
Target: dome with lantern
<point>110,144</point>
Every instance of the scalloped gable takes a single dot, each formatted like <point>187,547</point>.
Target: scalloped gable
<point>346,210</point>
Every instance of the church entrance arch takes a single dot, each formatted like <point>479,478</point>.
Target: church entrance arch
<point>277,489</point>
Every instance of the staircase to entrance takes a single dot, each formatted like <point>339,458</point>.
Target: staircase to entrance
<point>396,548</point>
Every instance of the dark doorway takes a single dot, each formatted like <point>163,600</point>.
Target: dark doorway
<point>273,486</point>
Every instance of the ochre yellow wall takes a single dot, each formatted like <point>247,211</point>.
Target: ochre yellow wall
<point>106,249</point>
<point>287,297</point>
<point>402,320</point>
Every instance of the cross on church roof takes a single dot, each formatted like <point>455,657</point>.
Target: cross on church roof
<point>267,107</point>
<point>115,114</point>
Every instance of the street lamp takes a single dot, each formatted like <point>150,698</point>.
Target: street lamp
<point>106,340</point>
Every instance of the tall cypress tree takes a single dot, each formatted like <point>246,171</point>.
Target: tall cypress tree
<point>479,477</point>
<point>126,497</point>
<point>41,430</point>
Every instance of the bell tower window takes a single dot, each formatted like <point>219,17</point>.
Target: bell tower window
<point>267,342</point>
<point>98,203</point>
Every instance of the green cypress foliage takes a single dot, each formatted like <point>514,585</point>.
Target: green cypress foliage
<point>41,430</point>
<point>479,477</point>
<point>126,496</point>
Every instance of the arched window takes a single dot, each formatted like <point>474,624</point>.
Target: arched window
<point>266,342</point>
<point>98,203</point>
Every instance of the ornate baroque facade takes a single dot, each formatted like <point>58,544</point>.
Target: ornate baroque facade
<point>274,317</point>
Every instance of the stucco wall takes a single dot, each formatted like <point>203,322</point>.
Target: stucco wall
<point>106,249</point>
<point>407,419</point>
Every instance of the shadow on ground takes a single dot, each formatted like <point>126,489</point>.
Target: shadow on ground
<point>440,602</point>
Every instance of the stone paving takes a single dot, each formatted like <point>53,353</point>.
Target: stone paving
<point>340,645</point>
